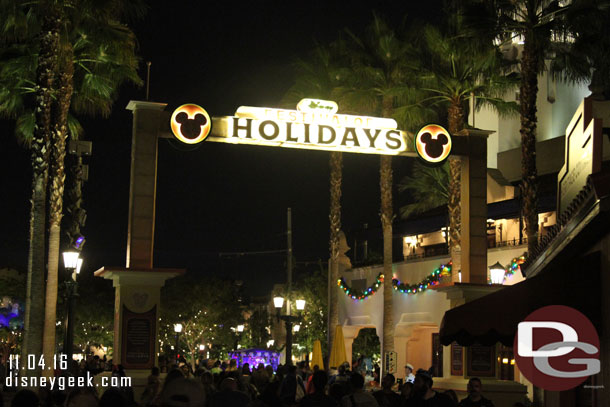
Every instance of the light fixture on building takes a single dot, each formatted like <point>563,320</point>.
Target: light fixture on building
<point>410,240</point>
<point>300,305</point>
<point>278,302</point>
<point>496,273</point>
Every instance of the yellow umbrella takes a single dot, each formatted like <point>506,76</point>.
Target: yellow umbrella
<point>316,358</point>
<point>337,353</point>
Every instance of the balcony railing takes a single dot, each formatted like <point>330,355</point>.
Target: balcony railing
<point>506,243</point>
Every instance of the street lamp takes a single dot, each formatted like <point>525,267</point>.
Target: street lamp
<point>289,320</point>
<point>72,264</point>
<point>496,273</point>
<point>240,328</point>
<point>177,330</point>
<point>278,302</point>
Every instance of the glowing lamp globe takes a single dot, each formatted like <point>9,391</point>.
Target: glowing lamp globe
<point>300,305</point>
<point>71,259</point>
<point>496,273</point>
<point>278,302</point>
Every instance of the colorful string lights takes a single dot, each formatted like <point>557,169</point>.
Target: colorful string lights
<point>360,295</point>
<point>432,280</point>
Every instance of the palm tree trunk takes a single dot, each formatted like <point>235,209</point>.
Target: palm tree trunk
<point>527,99</point>
<point>56,191</point>
<point>74,197</point>
<point>387,217</point>
<point>336,175</point>
<point>456,123</point>
<point>45,74</point>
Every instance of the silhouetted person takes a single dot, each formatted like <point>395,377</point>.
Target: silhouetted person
<point>183,392</point>
<point>423,395</point>
<point>475,399</point>
<point>113,397</point>
<point>25,398</point>
<point>318,398</point>
<point>386,396</point>
<point>228,395</point>
<point>358,397</point>
<point>152,387</point>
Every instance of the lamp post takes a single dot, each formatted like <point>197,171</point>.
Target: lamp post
<point>177,330</point>
<point>238,332</point>
<point>496,273</point>
<point>72,264</point>
<point>289,320</point>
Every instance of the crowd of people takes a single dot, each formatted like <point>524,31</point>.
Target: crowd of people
<point>221,384</point>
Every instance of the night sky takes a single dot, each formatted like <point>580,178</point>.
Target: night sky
<point>216,198</point>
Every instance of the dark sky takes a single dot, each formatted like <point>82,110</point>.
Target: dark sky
<point>216,198</point>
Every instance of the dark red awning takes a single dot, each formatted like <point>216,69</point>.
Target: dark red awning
<point>494,317</point>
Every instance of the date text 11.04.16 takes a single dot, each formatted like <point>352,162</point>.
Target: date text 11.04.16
<point>34,363</point>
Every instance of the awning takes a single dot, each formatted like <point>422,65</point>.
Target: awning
<point>494,317</point>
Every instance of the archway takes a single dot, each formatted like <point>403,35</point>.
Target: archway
<point>366,350</point>
<point>137,284</point>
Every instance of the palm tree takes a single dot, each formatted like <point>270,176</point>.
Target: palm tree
<point>95,42</point>
<point>453,69</point>
<point>377,79</point>
<point>317,78</point>
<point>534,23</point>
<point>17,20</point>
<point>87,36</point>
<point>584,55</point>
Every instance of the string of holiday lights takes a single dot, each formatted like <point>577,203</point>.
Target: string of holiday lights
<point>432,280</point>
<point>360,295</point>
<point>515,265</point>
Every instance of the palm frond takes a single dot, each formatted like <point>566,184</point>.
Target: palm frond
<point>427,187</point>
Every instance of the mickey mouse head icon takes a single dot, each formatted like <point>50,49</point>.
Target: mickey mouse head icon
<point>433,143</point>
<point>190,123</point>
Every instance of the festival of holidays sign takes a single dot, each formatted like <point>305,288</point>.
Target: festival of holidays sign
<point>315,125</point>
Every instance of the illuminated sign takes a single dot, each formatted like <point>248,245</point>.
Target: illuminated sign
<point>311,135</point>
<point>583,154</point>
<point>433,143</point>
<point>332,119</point>
<point>315,126</point>
<point>190,123</point>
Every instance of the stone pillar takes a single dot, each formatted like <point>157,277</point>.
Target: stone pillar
<point>473,200</point>
<point>138,285</point>
<point>137,303</point>
<point>147,123</point>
